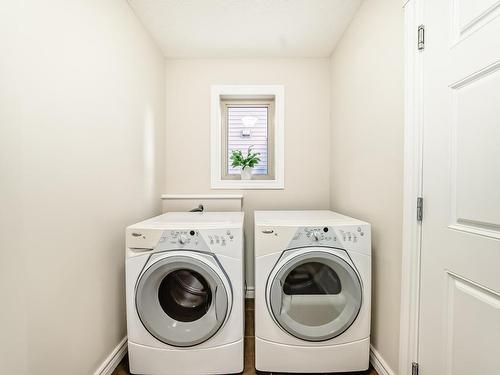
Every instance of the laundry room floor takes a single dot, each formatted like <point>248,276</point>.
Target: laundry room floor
<point>122,368</point>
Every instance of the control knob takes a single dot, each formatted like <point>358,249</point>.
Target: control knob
<point>315,235</point>
<point>182,239</point>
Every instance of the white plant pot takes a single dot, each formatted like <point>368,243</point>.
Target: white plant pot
<point>246,173</point>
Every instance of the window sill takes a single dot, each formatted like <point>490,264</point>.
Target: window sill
<point>248,184</point>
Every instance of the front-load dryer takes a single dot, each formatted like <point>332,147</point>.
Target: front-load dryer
<point>312,292</point>
<point>184,292</point>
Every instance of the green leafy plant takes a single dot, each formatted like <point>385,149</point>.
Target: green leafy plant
<point>238,160</point>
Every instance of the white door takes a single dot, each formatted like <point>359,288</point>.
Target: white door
<point>460,280</point>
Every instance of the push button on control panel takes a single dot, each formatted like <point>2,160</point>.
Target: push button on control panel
<point>352,236</point>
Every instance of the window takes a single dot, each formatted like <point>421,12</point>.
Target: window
<point>243,117</point>
<point>248,123</point>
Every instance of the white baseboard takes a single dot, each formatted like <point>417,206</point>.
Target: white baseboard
<point>250,293</point>
<point>115,357</point>
<point>378,363</point>
<point>113,360</point>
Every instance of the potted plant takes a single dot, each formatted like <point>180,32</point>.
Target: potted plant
<point>246,163</point>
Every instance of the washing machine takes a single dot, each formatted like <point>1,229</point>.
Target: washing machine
<point>184,294</point>
<point>312,292</point>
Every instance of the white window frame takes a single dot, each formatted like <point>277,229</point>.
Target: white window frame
<point>247,92</point>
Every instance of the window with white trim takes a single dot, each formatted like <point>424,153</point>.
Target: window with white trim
<point>244,117</point>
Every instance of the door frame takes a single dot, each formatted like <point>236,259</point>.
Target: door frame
<point>413,178</point>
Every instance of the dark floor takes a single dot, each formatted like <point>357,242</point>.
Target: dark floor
<point>122,368</point>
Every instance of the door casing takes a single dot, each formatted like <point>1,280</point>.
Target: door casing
<point>412,188</point>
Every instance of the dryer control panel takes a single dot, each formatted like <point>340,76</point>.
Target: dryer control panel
<point>327,236</point>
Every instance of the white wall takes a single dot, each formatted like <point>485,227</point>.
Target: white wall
<point>81,156</point>
<point>307,131</point>
<point>82,107</point>
<point>367,150</point>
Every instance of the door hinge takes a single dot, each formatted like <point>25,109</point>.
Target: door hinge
<point>414,368</point>
<point>421,37</point>
<point>420,208</point>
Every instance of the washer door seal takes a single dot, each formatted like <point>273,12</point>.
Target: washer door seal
<point>315,296</point>
<point>181,301</point>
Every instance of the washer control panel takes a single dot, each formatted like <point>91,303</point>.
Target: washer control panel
<point>181,237</point>
<point>193,239</point>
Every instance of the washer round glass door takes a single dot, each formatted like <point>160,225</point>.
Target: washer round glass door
<point>181,300</point>
<point>315,295</point>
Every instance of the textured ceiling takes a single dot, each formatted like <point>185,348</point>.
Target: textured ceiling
<point>245,28</point>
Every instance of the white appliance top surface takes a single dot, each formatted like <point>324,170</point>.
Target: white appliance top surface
<point>304,218</point>
<point>193,220</point>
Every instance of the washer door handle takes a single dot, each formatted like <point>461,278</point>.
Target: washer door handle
<point>277,296</point>
<point>220,305</point>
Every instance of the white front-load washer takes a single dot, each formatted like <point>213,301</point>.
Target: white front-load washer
<point>312,292</point>
<point>184,292</point>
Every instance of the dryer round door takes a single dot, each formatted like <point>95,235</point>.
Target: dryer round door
<point>182,301</point>
<point>315,295</point>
